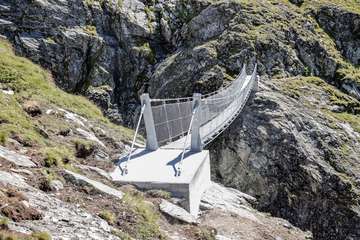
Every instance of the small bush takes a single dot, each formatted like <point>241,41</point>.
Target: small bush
<point>41,236</point>
<point>108,216</point>
<point>8,236</point>
<point>4,223</point>
<point>159,194</point>
<point>204,233</point>
<point>91,30</point>
<point>57,156</point>
<point>44,182</point>
<point>122,235</point>
<point>84,148</point>
<point>146,226</point>
<point>3,138</point>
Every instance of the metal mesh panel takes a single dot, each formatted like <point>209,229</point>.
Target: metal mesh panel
<point>172,119</point>
<point>172,116</point>
<point>220,109</point>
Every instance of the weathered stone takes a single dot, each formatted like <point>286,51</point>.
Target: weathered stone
<point>177,212</point>
<point>290,159</point>
<point>344,26</point>
<point>62,220</point>
<point>97,170</point>
<point>78,179</point>
<point>56,185</point>
<point>17,159</point>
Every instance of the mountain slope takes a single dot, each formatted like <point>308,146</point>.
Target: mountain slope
<point>296,145</point>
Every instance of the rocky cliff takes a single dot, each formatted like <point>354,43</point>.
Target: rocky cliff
<point>296,145</point>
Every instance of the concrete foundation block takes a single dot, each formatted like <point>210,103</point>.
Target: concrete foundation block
<point>157,170</point>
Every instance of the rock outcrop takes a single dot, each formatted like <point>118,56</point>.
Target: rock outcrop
<point>60,219</point>
<point>344,27</point>
<point>296,145</point>
<point>301,163</point>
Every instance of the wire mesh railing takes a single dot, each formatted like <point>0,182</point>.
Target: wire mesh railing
<point>170,122</point>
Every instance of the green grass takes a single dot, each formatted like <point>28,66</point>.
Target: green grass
<point>6,235</point>
<point>41,236</point>
<point>30,82</point>
<point>57,156</point>
<point>350,5</point>
<point>4,222</point>
<point>122,235</point>
<point>146,226</point>
<point>158,194</point>
<point>147,52</point>
<point>108,216</point>
<point>90,29</point>
<point>294,87</point>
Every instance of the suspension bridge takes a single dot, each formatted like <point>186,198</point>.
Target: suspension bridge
<point>177,130</point>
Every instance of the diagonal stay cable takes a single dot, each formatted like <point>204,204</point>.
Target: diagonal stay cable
<point>134,139</point>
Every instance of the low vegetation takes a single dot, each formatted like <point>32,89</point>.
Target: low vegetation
<point>158,194</point>
<point>328,95</point>
<point>29,82</point>
<point>57,156</point>
<point>90,29</point>
<point>4,223</point>
<point>84,148</point>
<point>108,216</point>
<point>11,235</point>
<point>146,221</point>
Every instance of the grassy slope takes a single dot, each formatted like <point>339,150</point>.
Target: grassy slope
<point>273,12</point>
<point>31,83</point>
<point>311,86</point>
<point>350,5</point>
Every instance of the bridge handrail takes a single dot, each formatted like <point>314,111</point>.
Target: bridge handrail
<point>203,117</point>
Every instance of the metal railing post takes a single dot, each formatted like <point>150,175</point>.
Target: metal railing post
<point>196,143</point>
<point>151,139</point>
<point>257,78</point>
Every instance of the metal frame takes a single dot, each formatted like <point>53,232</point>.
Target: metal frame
<point>197,141</point>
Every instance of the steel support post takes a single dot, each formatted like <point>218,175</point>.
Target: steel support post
<point>196,144</point>
<point>151,139</point>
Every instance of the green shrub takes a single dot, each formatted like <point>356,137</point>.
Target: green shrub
<point>8,236</point>
<point>84,148</point>
<point>4,222</point>
<point>90,29</point>
<point>41,236</point>
<point>147,217</point>
<point>57,156</point>
<point>108,216</point>
<point>159,194</point>
<point>122,235</point>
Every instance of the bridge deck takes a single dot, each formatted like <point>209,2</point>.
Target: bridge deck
<point>208,131</point>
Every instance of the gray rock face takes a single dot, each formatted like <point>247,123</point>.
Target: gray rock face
<point>56,185</point>
<point>233,217</point>
<point>61,220</point>
<point>17,159</point>
<point>285,154</point>
<point>294,161</point>
<point>97,170</point>
<point>78,179</point>
<point>228,199</point>
<point>344,26</point>
<point>176,212</point>
<point>225,35</point>
<point>83,45</point>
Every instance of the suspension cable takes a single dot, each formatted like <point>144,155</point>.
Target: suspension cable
<point>134,139</point>
<point>186,138</point>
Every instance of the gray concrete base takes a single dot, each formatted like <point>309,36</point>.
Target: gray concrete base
<point>156,170</point>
